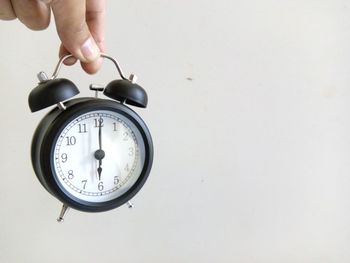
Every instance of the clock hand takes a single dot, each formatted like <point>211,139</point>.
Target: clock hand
<point>100,133</point>
<point>99,169</point>
<point>99,154</point>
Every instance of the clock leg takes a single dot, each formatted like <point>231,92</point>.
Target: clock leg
<point>63,212</point>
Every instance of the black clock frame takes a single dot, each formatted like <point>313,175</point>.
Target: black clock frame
<point>47,133</point>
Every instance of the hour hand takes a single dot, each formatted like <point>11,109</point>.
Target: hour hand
<point>99,169</point>
<point>99,155</point>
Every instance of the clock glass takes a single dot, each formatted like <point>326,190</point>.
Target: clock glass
<point>98,156</point>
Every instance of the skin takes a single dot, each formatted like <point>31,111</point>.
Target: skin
<point>79,24</point>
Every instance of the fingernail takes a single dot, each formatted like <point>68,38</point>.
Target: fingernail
<point>90,50</point>
<point>70,61</point>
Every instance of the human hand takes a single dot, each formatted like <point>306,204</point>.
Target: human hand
<point>79,23</point>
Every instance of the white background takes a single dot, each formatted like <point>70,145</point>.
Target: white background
<point>249,111</point>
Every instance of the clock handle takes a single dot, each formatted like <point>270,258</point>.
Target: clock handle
<point>63,58</point>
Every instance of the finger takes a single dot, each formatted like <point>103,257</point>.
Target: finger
<point>6,10</point>
<point>92,67</point>
<point>89,68</point>
<point>95,19</point>
<point>69,61</point>
<point>34,14</point>
<point>73,30</point>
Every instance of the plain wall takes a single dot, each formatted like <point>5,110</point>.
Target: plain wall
<point>249,112</point>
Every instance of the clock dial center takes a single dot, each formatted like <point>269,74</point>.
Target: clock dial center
<point>99,154</point>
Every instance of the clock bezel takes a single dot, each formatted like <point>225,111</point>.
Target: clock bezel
<point>76,108</point>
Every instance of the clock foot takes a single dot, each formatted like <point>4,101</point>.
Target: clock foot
<point>130,205</point>
<point>62,214</point>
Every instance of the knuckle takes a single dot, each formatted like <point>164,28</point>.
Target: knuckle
<point>69,31</point>
<point>36,23</point>
<point>7,17</point>
<point>48,2</point>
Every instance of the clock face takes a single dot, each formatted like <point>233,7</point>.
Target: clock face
<point>98,156</point>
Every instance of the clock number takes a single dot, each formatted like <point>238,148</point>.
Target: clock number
<point>98,122</point>
<point>82,128</point>
<point>115,126</point>
<point>70,174</point>
<point>131,151</point>
<point>100,186</point>
<point>71,140</point>
<point>116,179</point>
<point>126,136</point>
<point>126,168</point>
<point>64,157</point>
<point>84,183</point>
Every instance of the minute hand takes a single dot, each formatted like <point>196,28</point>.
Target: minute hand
<point>100,133</point>
<point>99,154</point>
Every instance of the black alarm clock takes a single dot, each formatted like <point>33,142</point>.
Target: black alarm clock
<point>93,154</point>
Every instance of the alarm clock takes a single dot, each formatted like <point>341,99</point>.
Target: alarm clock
<point>93,154</point>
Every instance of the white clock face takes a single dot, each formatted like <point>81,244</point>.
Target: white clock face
<point>99,156</point>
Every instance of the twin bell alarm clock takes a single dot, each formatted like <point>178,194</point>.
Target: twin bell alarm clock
<point>92,154</point>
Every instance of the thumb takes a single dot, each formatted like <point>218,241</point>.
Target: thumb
<point>73,30</point>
